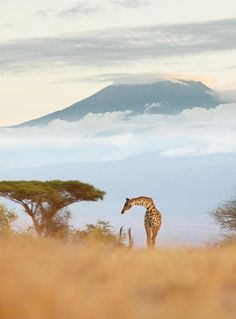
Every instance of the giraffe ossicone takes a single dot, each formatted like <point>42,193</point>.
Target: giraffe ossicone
<point>152,219</point>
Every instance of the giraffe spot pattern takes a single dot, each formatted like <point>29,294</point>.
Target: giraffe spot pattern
<point>152,219</point>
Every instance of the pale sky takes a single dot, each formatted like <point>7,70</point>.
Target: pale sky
<point>54,53</point>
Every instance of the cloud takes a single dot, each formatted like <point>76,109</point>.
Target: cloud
<point>117,135</point>
<point>135,78</point>
<point>132,4</point>
<point>81,9</point>
<point>118,46</point>
<point>228,95</point>
<point>123,78</point>
<point>47,13</point>
<point>229,67</point>
<point>151,106</point>
<point>86,8</point>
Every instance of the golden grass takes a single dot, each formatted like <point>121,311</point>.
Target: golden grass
<point>45,279</point>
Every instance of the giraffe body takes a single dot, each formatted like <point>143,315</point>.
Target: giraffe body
<point>152,219</point>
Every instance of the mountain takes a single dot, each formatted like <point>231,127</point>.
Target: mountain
<point>164,97</point>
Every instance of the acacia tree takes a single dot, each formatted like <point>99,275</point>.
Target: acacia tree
<point>44,201</point>
<point>225,216</point>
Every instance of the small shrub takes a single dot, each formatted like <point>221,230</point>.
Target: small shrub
<point>101,231</point>
<point>7,217</point>
<point>225,216</point>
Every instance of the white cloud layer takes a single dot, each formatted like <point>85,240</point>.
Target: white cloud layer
<point>117,135</point>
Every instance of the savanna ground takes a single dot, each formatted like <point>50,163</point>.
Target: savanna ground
<point>47,279</point>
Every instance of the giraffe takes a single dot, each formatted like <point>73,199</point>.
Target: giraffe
<point>152,220</point>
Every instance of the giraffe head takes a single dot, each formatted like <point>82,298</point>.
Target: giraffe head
<point>127,205</point>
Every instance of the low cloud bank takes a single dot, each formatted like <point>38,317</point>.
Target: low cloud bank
<point>117,135</point>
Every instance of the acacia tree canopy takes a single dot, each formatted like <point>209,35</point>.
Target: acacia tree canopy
<point>42,200</point>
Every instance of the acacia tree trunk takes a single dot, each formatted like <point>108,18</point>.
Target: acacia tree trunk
<point>38,228</point>
<point>41,220</point>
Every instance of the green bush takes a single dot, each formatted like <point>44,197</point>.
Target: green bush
<point>101,231</point>
<point>225,216</point>
<point>7,217</point>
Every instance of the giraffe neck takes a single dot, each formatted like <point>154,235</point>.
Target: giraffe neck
<point>147,202</point>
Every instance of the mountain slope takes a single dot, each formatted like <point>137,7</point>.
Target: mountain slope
<point>164,97</point>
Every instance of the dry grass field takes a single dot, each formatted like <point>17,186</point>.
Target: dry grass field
<point>45,279</point>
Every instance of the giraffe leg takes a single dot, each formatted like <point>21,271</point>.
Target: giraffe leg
<point>154,235</point>
<point>149,236</point>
